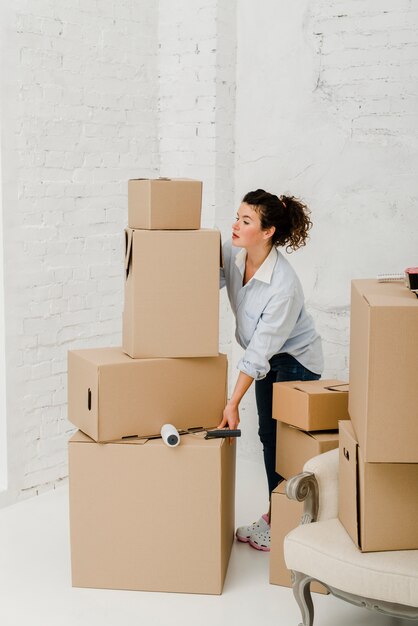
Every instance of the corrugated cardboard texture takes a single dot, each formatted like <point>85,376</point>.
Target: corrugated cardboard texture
<point>164,204</point>
<point>137,396</point>
<point>285,515</point>
<point>171,294</point>
<point>385,505</point>
<point>311,405</point>
<point>149,517</point>
<point>295,447</point>
<point>383,400</point>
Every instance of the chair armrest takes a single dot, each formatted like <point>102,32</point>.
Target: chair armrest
<point>320,494</point>
<point>304,488</point>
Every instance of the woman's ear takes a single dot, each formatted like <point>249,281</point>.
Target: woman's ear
<point>269,232</point>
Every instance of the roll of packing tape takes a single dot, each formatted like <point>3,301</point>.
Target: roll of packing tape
<point>170,435</point>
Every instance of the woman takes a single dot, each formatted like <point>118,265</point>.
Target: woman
<point>272,325</point>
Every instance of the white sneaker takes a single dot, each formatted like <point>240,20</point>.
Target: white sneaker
<point>260,540</point>
<point>245,533</point>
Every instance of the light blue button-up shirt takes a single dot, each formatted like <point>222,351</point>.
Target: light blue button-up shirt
<point>270,313</point>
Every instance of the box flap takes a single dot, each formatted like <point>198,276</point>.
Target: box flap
<point>324,435</point>
<point>318,386</point>
<point>403,299</point>
<point>102,356</point>
<point>343,387</point>
<point>80,437</point>
<point>318,435</point>
<point>378,294</point>
<point>281,488</point>
<point>131,440</point>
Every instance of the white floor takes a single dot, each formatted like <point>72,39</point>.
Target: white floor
<point>35,584</point>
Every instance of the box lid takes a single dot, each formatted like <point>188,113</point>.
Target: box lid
<point>102,356</point>
<point>315,387</point>
<point>165,179</point>
<point>378,294</point>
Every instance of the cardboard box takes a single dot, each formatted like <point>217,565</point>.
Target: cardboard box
<point>378,502</point>
<point>148,517</point>
<point>111,395</point>
<point>164,203</point>
<point>285,516</point>
<point>311,405</point>
<point>383,401</point>
<point>171,293</point>
<point>294,447</point>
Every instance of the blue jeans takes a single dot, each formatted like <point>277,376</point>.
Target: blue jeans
<point>283,367</point>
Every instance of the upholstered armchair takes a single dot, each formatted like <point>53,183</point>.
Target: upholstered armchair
<point>320,549</point>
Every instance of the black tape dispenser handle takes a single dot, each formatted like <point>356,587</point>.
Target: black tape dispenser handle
<point>222,433</point>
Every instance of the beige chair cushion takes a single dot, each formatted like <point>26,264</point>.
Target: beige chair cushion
<point>325,551</point>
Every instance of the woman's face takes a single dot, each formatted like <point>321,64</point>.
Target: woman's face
<point>246,230</point>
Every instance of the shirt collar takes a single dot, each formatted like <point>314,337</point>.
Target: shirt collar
<point>265,270</point>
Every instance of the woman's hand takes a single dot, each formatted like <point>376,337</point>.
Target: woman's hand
<point>230,417</point>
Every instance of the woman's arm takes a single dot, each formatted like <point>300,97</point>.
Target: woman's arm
<point>231,414</point>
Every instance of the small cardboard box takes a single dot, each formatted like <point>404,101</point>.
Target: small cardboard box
<point>111,396</point>
<point>294,447</point>
<point>285,516</point>
<point>383,401</point>
<point>171,293</point>
<point>148,517</point>
<point>378,502</point>
<point>311,405</point>
<point>164,203</point>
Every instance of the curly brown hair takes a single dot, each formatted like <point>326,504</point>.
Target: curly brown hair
<point>289,216</point>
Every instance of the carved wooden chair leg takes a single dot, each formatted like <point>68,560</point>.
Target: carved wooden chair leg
<point>302,592</point>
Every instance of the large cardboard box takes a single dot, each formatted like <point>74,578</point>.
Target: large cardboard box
<point>148,517</point>
<point>378,502</point>
<point>164,203</point>
<point>111,396</point>
<point>171,293</point>
<point>311,405</point>
<point>383,401</point>
<point>294,447</point>
<point>285,516</point>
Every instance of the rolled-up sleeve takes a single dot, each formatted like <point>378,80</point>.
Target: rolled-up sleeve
<point>273,329</point>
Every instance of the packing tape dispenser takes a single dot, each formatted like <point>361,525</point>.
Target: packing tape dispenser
<point>409,277</point>
<point>171,436</point>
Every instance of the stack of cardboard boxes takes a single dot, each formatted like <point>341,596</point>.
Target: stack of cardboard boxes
<point>143,515</point>
<point>379,446</point>
<point>308,413</point>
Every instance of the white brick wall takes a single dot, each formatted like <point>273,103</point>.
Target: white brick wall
<point>197,111</point>
<point>84,122</point>
<point>315,98</point>
<point>187,93</point>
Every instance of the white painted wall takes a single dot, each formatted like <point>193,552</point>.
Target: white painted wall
<point>312,98</point>
<point>327,109</point>
<point>3,407</point>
